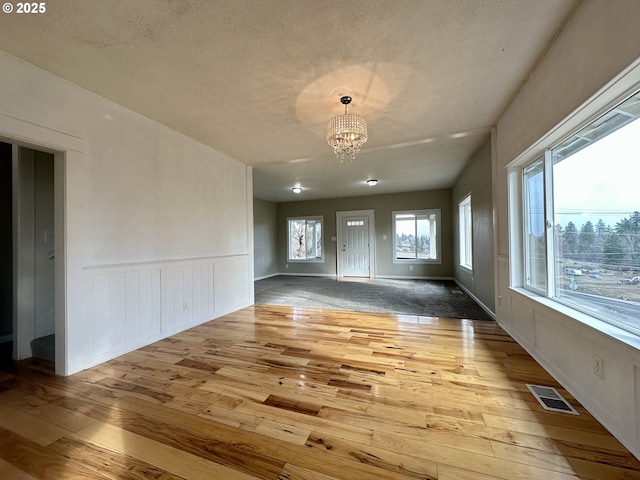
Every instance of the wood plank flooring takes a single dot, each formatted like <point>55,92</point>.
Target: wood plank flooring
<point>290,394</point>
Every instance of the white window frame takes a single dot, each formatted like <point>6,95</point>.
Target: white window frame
<point>437,225</point>
<point>315,218</point>
<point>608,99</point>
<point>528,277</point>
<point>465,233</point>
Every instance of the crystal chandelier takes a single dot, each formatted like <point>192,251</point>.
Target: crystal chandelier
<point>346,133</point>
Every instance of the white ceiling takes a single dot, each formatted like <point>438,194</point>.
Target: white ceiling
<point>258,80</point>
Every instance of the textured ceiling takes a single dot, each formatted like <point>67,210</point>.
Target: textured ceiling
<point>258,80</point>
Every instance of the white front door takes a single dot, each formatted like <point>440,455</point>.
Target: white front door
<point>355,246</point>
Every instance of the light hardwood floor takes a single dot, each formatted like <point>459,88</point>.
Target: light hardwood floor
<point>282,393</point>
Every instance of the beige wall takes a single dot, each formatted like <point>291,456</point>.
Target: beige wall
<point>476,179</point>
<point>265,238</point>
<point>383,205</point>
<point>593,61</point>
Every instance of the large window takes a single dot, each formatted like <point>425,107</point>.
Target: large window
<point>305,239</point>
<point>416,236</point>
<point>465,233</point>
<point>581,225</point>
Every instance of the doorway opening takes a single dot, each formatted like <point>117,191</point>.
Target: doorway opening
<point>6,255</point>
<point>27,250</point>
<point>66,149</point>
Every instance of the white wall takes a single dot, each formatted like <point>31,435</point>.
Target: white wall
<point>156,234</point>
<point>599,42</point>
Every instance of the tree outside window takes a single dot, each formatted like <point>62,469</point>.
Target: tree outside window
<point>305,239</point>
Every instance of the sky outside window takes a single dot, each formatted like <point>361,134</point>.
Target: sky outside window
<point>601,181</point>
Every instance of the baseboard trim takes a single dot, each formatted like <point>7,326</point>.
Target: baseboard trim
<point>413,277</point>
<point>6,338</point>
<point>476,299</point>
<point>389,277</point>
<point>255,279</point>
<point>331,275</point>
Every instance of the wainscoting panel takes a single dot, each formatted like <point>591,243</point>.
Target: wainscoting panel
<point>187,294</point>
<point>522,318</point>
<point>142,289</point>
<point>117,309</point>
<point>132,305</point>
<point>100,314</point>
<point>553,340</point>
<point>125,307</point>
<point>230,273</point>
<point>503,300</point>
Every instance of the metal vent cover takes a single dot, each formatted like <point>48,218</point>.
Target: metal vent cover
<point>550,399</point>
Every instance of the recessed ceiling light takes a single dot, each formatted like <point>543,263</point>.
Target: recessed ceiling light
<point>372,182</point>
<point>296,189</point>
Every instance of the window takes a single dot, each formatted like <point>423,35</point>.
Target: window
<point>305,239</point>
<point>581,222</point>
<point>465,233</point>
<point>535,266</point>
<point>355,223</point>
<point>416,236</point>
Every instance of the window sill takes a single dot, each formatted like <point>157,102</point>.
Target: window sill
<point>306,261</point>
<point>615,333</point>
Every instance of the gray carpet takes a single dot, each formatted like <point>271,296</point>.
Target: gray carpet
<point>430,298</point>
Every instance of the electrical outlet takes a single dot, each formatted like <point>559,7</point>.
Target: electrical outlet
<point>185,305</point>
<point>598,366</point>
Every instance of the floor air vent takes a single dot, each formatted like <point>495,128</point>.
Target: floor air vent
<point>550,399</point>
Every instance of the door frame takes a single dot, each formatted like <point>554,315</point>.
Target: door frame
<point>370,214</point>
<point>62,146</point>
